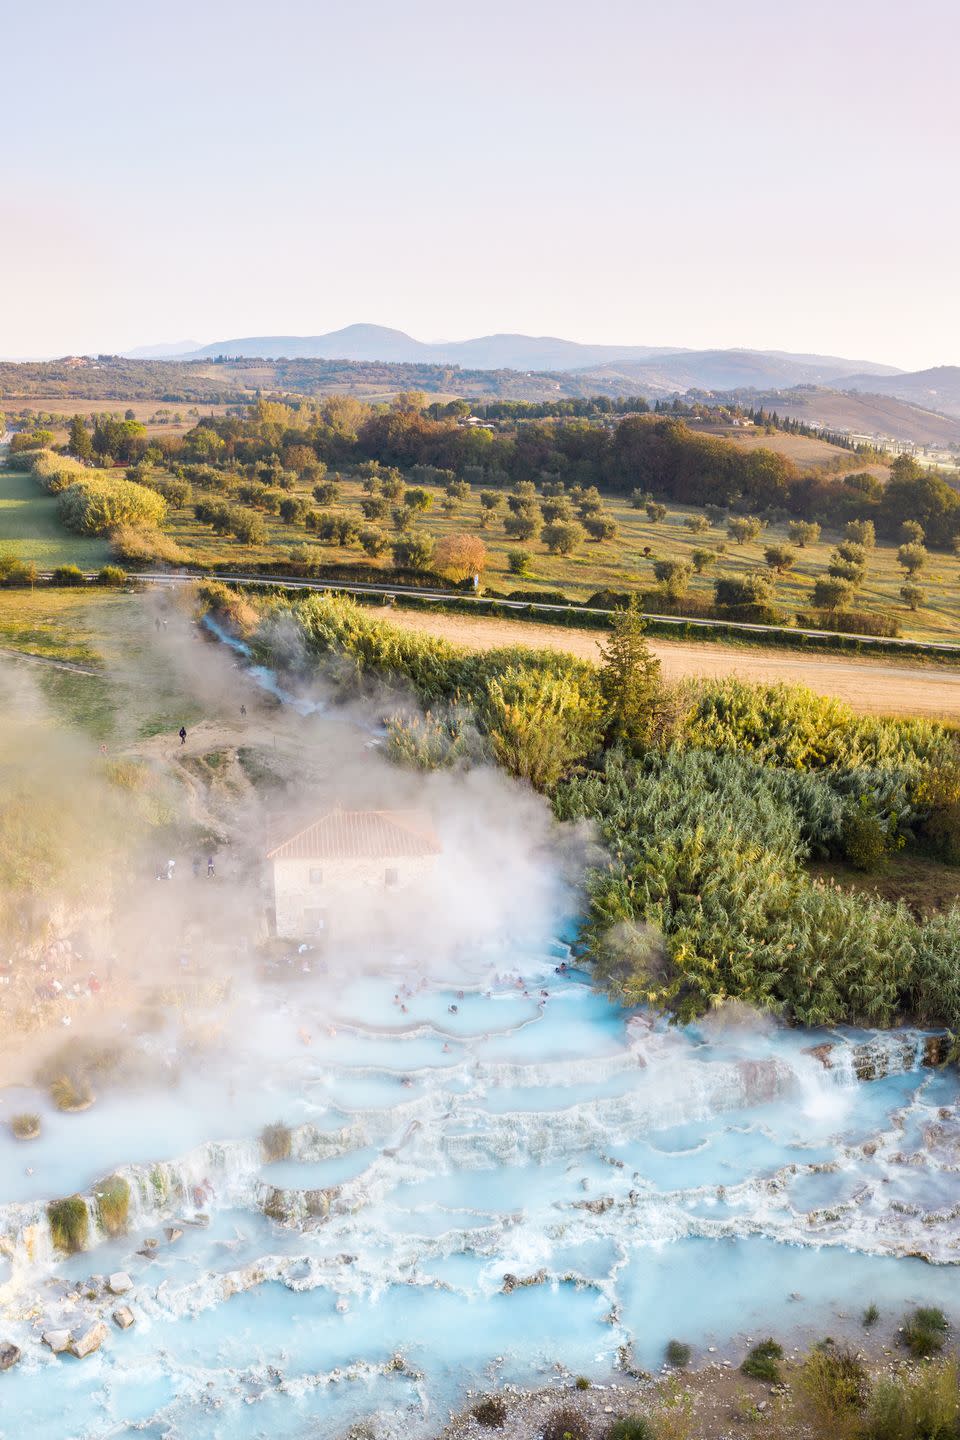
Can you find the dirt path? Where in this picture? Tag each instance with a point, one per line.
(70, 665)
(876, 686)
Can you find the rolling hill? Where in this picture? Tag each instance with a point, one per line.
(657, 369)
(936, 389)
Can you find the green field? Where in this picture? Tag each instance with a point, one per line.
(30, 527)
(139, 690)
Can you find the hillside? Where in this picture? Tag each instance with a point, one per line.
(937, 388)
(861, 413)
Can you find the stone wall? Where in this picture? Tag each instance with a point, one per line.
(341, 888)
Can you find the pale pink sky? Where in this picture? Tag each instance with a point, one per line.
(769, 175)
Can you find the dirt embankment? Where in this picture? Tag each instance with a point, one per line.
(879, 687)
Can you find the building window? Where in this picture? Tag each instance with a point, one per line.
(391, 877)
(316, 877)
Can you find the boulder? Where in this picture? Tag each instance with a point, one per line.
(9, 1354)
(124, 1317)
(173, 1232)
(86, 1341)
(58, 1340)
(119, 1283)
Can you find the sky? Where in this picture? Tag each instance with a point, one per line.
(771, 175)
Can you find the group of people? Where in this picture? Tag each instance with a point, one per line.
(167, 869)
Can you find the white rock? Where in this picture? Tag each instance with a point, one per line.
(124, 1317)
(119, 1283)
(88, 1340)
(58, 1340)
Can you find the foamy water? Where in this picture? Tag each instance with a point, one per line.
(637, 1183)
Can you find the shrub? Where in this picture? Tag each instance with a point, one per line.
(522, 526)
(518, 562)
(913, 596)
(864, 837)
(373, 541)
(630, 1427)
(912, 558)
(833, 593)
(582, 1383)
(870, 1316)
(655, 511)
(25, 1126)
(113, 1205)
(831, 1386)
(57, 472)
(68, 575)
(761, 1362)
(14, 571)
(923, 1331)
(460, 556)
(68, 1093)
(563, 537)
(919, 1406)
(97, 505)
(328, 493)
(69, 1224)
(848, 622)
(780, 558)
(703, 559)
(413, 551)
(673, 575)
(111, 575)
(678, 1354)
(139, 545)
(861, 532)
(293, 509)
(696, 524)
(275, 1142)
(912, 532)
(750, 589)
(490, 1412)
(743, 528)
(418, 499)
(599, 526)
(541, 724)
(803, 533)
(566, 1423)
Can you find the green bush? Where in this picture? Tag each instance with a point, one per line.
(113, 1205)
(831, 1386)
(275, 1142)
(490, 1412)
(870, 1316)
(69, 1224)
(864, 837)
(111, 575)
(582, 1383)
(762, 1362)
(923, 1405)
(68, 575)
(95, 506)
(630, 1427)
(923, 1331)
(678, 1354)
(57, 472)
(566, 1423)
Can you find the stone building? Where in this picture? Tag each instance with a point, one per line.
(343, 862)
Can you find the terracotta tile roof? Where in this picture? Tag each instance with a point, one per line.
(361, 835)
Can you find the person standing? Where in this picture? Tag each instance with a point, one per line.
(183, 735)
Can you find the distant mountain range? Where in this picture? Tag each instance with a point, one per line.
(651, 368)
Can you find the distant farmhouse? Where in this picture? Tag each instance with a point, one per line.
(343, 857)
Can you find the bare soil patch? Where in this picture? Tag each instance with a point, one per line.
(878, 687)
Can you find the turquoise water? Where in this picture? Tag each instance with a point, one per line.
(647, 1182)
